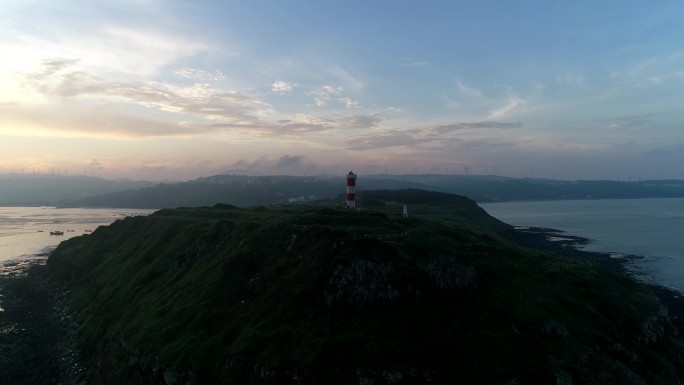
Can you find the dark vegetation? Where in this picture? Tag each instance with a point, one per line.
(318, 294)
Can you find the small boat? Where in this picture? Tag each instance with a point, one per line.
(57, 232)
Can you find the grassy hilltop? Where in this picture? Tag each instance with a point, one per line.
(318, 294)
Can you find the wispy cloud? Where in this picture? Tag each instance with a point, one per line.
(572, 79)
(326, 93)
(139, 50)
(348, 102)
(437, 137)
(95, 121)
(414, 63)
(627, 123)
(507, 106)
(387, 138)
(345, 77)
(197, 108)
(655, 70)
(301, 124)
(500, 102)
(199, 100)
(282, 87)
(475, 126)
(469, 92)
(200, 74)
(360, 121)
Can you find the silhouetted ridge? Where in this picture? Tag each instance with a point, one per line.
(243, 190)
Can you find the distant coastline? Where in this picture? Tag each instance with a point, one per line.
(251, 190)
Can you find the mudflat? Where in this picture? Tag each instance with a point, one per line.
(37, 333)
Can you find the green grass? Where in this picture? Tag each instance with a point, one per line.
(331, 293)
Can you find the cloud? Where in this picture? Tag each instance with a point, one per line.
(303, 124)
(469, 92)
(107, 48)
(415, 63)
(254, 165)
(136, 50)
(325, 93)
(199, 101)
(344, 77)
(475, 125)
(94, 121)
(507, 106)
(199, 74)
(52, 66)
(627, 123)
(349, 102)
(571, 79)
(299, 124)
(662, 70)
(359, 121)
(282, 87)
(495, 103)
(387, 138)
(307, 123)
(434, 138)
(286, 164)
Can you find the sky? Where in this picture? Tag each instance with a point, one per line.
(177, 90)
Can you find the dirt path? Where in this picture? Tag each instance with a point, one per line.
(36, 333)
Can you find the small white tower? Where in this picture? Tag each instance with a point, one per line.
(405, 215)
(351, 185)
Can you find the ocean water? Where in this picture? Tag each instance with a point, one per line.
(25, 231)
(652, 229)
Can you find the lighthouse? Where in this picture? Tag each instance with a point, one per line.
(351, 184)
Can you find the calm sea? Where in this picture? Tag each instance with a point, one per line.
(25, 231)
(650, 228)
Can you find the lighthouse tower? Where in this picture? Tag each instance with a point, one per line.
(351, 196)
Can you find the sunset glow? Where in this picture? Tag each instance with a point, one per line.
(152, 89)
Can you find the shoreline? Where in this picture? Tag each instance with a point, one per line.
(37, 331)
(18, 268)
(557, 242)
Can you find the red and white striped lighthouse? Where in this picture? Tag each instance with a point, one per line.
(351, 196)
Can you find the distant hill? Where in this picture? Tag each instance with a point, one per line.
(307, 294)
(49, 189)
(243, 190)
(491, 188)
(238, 190)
